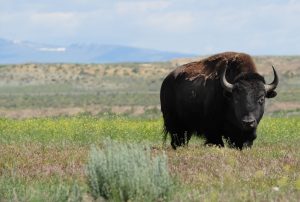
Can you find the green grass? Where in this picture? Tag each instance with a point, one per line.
(52, 154)
(70, 85)
(122, 172)
(56, 100)
(78, 130)
(52, 190)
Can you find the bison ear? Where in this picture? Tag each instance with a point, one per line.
(271, 94)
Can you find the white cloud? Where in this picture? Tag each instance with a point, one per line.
(58, 19)
(193, 26)
(15, 41)
(130, 7)
(44, 27)
(53, 49)
(171, 21)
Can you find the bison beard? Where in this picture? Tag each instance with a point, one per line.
(219, 97)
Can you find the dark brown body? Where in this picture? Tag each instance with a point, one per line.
(193, 100)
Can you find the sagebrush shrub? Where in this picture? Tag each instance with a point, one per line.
(122, 172)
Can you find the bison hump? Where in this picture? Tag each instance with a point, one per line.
(213, 66)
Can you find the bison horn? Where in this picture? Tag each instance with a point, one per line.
(273, 85)
(226, 85)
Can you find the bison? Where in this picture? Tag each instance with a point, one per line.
(220, 97)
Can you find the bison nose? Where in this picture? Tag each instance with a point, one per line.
(249, 123)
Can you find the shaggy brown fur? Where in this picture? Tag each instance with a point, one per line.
(194, 100)
(212, 67)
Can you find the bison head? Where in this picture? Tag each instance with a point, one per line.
(247, 98)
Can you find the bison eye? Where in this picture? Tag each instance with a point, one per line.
(261, 100)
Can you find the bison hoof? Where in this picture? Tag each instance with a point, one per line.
(173, 146)
(214, 143)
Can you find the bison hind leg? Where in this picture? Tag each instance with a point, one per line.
(179, 136)
(180, 139)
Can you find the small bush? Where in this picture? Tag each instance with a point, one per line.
(122, 172)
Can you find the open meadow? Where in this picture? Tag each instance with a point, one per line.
(71, 132)
(45, 159)
(35, 90)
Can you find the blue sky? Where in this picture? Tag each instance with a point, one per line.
(268, 27)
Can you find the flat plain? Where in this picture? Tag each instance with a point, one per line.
(52, 114)
(34, 90)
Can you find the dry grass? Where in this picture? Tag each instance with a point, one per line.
(33, 74)
(42, 161)
(267, 173)
(94, 110)
(40, 151)
(39, 90)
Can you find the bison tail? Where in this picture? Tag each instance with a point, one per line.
(165, 132)
(165, 139)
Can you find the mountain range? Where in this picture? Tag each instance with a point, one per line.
(14, 52)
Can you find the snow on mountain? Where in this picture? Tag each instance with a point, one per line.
(15, 51)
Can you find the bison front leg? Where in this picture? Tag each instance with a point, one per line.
(244, 140)
(213, 139)
(180, 139)
(174, 141)
(236, 144)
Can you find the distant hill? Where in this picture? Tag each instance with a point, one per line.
(12, 52)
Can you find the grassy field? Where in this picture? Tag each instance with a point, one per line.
(68, 89)
(53, 116)
(44, 159)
